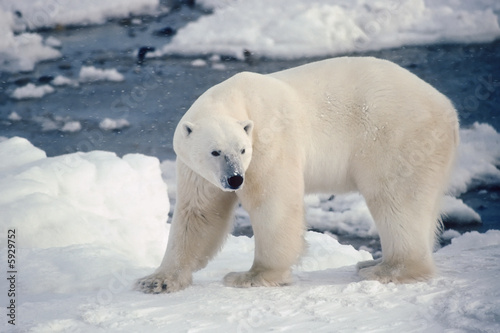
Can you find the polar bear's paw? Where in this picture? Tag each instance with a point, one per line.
(160, 282)
(257, 279)
(397, 273)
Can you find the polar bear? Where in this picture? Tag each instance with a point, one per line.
(333, 126)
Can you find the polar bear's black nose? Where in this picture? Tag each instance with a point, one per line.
(235, 181)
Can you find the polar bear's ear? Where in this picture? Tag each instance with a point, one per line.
(247, 126)
(187, 128)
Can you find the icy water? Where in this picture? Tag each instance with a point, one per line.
(155, 95)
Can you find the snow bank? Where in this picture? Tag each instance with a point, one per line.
(92, 74)
(457, 212)
(32, 91)
(49, 13)
(83, 198)
(325, 252)
(302, 28)
(478, 158)
(341, 214)
(20, 51)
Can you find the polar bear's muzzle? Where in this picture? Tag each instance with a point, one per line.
(233, 175)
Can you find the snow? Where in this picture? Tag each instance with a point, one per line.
(89, 224)
(83, 198)
(198, 63)
(218, 66)
(61, 80)
(48, 124)
(14, 116)
(458, 212)
(109, 124)
(32, 91)
(20, 50)
(281, 28)
(57, 123)
(53, 42)
(92, 74)
(450, 234)
(49, 13)
(300, 28)
(478, 156)
(72, 126)
(214, 63)
(88, 74)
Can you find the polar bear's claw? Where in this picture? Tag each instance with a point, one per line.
(160, 283)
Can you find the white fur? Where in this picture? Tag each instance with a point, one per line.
(338, 125)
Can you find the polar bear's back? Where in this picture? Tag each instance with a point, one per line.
(357, 79)
(366, 108)
(363, 93)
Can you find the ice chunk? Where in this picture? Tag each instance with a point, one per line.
(92, 74)
(32, 91)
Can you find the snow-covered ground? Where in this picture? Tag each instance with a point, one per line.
(86, 288)
(294, 29)
(88, 224)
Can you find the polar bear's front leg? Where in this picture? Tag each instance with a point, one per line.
(278, 225)
(181, 259)
(200, 224)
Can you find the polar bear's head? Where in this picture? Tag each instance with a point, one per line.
(217, 148)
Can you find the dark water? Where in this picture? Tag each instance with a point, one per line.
(156, 94)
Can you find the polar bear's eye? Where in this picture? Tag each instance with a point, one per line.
(242, 151)
(215, 153)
